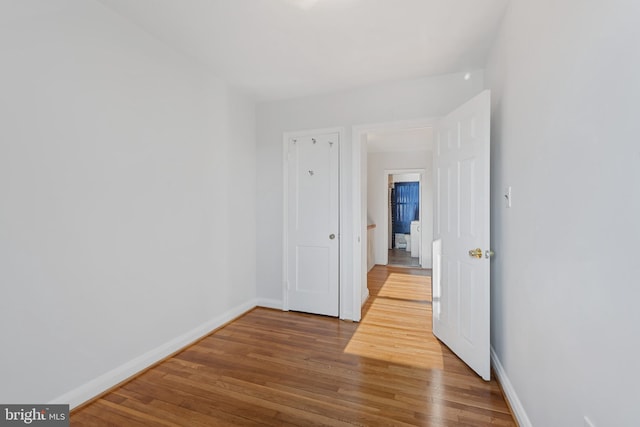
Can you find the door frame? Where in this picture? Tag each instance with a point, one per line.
(422, 173)
(359, 199)
(286, 136)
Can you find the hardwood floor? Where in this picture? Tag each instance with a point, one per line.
(292, 369)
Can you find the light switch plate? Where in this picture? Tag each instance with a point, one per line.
(507, 197)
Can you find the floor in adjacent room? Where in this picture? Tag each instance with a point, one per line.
(292, 369)
(400, 257)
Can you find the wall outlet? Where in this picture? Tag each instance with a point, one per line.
(587, 422)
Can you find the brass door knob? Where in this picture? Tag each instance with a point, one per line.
(476, 253)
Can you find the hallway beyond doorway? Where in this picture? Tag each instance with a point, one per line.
(402, 258)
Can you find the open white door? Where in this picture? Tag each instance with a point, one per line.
(461, 233)
(312, 223)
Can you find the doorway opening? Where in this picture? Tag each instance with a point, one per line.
(404, 234)
(460, 169)
(379, 150)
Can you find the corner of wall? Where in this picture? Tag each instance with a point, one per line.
(365, 295)
(270, 303)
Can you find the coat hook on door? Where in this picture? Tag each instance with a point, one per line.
(310, 173)
(314, 140)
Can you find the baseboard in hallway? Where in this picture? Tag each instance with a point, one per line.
(102, 384)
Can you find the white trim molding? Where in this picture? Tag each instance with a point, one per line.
(126, 371)
(510, 393)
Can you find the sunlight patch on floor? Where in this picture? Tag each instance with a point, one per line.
(398, 286)
(396, 327)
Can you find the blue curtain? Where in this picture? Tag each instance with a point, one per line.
(405, 204)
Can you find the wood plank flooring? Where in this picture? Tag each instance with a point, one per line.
(278, 368)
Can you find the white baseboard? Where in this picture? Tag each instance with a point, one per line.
(269, 303)
(277, 305)
(104, 382)
(516, 406)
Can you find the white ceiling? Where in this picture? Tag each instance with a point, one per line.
(288, 48)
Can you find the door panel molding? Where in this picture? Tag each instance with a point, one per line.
(343, 312)
(461, 306)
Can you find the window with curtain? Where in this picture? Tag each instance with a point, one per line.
(405, 206)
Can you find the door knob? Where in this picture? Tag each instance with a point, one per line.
(476, 253)
(332, 236)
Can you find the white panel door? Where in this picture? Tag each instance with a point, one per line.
(313, 218)
(461, 233)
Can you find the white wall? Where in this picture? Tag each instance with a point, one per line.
(428, 97)
(377, 203)
(120, 229)
(405, 177)
(565, 318)
(371, 261)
